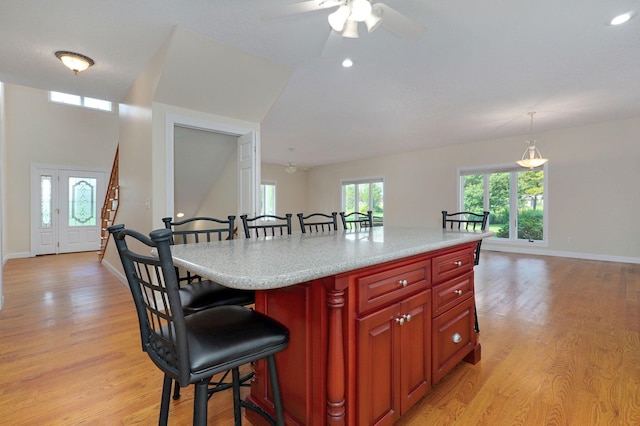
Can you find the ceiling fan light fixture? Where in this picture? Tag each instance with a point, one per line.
(374, 19)
(350, 29)
(531, 158)
(338, 18)
(290, 168)
(360, 10)
(74, 61)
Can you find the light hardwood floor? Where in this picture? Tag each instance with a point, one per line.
(560, 346)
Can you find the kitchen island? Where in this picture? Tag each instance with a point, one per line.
(376, 317)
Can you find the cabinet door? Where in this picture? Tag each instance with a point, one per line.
(416, 349)
(453, 338)
(379, 367)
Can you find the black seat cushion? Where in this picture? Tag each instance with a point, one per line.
(228, 336)
(206, 294)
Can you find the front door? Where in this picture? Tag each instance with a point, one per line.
(66, 210)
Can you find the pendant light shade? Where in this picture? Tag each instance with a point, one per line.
(531, 157)
(338, 18)
(350, 29)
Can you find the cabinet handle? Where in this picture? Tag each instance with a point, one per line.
(408, 317)
(400, 320)
(457, 338)
(458, 263)
(458, 292)
(403, 283)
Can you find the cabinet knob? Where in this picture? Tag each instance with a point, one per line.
(408, 317)
(400, 320)
(403, 283)
(458, 263)
(458, 292)
(457, 338)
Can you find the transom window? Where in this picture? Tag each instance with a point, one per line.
(515, 198)
(81, 101)
(362, 195)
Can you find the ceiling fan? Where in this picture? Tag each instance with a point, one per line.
(344, 21)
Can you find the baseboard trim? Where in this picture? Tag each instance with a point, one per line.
(572, 255)
(115, 271)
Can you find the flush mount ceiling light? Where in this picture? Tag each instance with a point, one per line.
(74, 61)
(531, 157)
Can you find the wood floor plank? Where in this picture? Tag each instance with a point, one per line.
(560, 346)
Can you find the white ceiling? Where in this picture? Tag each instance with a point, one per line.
(474, 75)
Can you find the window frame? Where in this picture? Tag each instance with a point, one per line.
(275, 197)
(83, 101)
(513, 199)
(361, 181)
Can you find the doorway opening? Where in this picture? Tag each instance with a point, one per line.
(246, 170)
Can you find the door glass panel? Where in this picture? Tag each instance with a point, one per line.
(530, 205)
(45, 201)
(499, 204)
(82, 201)
(349, 197)
(473, 190)
(378, 199)
(363, 198)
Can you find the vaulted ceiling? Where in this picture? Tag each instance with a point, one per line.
(474, 75)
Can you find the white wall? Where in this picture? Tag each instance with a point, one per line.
(592, 180)
(38, 131)
(222, 198)
(291, 190)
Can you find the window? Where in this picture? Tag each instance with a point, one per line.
(363, 195)
(65, 98)
(514, 197)
(268, 198)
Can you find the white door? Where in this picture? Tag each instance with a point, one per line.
(247, 174)
(66, 207)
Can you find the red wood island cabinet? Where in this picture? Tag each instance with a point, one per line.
(367, 344)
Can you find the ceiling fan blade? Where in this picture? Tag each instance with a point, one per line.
(399, 24)
(333, 44)
(296, 8)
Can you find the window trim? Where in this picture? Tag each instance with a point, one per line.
(503, 168)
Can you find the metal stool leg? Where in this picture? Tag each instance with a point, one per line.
(237, 404)
(275, 388)
(200, 401)
(164, 402)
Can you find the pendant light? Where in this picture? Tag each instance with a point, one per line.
(531, 157)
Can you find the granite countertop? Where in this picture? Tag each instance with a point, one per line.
(273, 262)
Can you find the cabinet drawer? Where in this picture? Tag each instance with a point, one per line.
(450, 293)
(451, 264)
(388, 286)
(453, 338)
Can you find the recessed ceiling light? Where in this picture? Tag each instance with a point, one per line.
(621, 19)
(347, 63)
